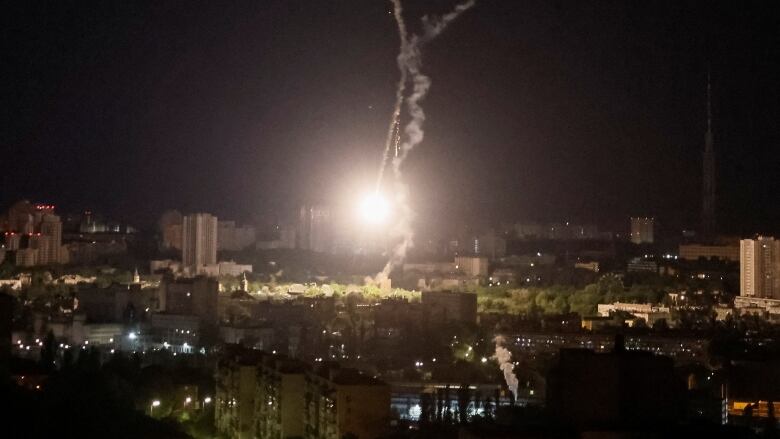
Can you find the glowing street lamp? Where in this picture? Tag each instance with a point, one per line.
(207, 400)
(155, 403)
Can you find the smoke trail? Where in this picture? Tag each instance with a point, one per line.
(395, 120)
(504, 359)
(434, 26)
(410, 61)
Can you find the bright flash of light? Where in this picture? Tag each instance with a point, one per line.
(374, 208)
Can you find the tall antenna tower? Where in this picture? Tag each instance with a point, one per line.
(708, 173)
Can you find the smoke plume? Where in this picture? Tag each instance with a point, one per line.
(410, 62)
(504, 359)
(395, 120)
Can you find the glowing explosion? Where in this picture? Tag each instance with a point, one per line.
(374, 208)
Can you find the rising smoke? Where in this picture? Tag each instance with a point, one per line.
(409, 63)
(504, 359)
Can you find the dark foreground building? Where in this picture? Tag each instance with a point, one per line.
(620, 389)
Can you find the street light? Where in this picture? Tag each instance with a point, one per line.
(207, 400)
(155, 403)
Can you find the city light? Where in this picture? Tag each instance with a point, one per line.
(415, 411)
(207, 400)
(155, 403)
(374, 209)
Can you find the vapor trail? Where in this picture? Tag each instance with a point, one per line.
(504, 359)
(395, 120)
(410, 61)
(434, 26)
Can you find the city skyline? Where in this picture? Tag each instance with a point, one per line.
(390, 219)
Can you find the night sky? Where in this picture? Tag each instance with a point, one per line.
(581, 110)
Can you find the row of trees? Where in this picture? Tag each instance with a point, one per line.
(561, 299)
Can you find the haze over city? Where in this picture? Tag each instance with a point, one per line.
(390, 219)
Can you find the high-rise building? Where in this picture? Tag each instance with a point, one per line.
(12, 240)
(170, 229)
(51, 244)
(20, 217)
(694, 252)
(620, 386)
(37, 242)
(234, 238)
(315, 229)
(259, 395)
(642, 230)
(199, 240)
(708, 175)
(27, 257)
(759, 268)
(280, 398)
(43, 230)
(345, 403)
(236, 391)
(172, 236)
